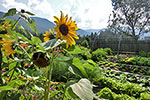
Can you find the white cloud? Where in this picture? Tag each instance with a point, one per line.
(13, 4)
(87, 13)
(42, 7)
(92, 13)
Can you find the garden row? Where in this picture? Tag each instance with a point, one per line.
(138, 60)
(125, 67)
(115, 89)
(123, 78)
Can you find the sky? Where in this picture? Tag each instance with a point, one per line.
(88, 14)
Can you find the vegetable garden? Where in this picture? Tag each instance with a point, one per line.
(52, 67)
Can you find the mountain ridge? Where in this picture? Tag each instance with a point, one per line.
(43, 24)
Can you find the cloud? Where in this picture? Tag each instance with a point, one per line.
(39, 7)
(42, 7)
(92, 14)
(13, 4)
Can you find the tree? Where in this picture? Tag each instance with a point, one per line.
(131, 17)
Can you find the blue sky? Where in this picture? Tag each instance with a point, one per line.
(88, 14)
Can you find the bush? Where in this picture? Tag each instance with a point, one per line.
(109, 51)
(87, 54)
(99, 54)
(144, 54)
(145, 96)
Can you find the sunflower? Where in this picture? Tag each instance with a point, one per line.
(7, 46)
(65, 29)
(47, 35)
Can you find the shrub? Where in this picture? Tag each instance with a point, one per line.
(87, 54)
(106, 93)
(109, 51)
(145, 96)
(99, 54)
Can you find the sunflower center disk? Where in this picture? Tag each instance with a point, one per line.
(63, 29)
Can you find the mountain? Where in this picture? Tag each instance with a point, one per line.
(44, 25)
(82, 32)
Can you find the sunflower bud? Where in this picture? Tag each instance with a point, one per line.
(40, 59)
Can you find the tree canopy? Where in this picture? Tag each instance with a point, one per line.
(131, 17)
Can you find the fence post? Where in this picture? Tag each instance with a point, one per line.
(119, 46)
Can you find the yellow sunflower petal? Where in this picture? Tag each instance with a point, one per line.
(56, 18)
(73, 34)
(65, 29)
(46, 39)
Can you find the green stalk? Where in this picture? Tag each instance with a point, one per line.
(25, 51)
(49, 76)
(1, 81)
(16, 23)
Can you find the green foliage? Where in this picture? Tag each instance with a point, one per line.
(121, 88)
(32, 26)
(87, 53)
(136, 61)
(75, 50)
(144, 54)
(35, 40)
(99, 54)
(109, 51)
(145, 96)
(79, 65)
(10, 12)
(6, 88)
(106, 93)
(85, 44)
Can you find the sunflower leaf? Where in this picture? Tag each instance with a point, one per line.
(32, 26)
(51, 43)
(74, 50)
(35, 40)
(6, 88)
(10, 12)
(83, 89)
(29, 13)
(79, 65)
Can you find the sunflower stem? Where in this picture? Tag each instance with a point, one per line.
(1, 81)
(16, 23)
(25, 51)
(49, 76)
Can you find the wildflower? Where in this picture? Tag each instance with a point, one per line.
(7, 46)
(21, 91)
(24, 45)
(40, 59)
(38, 96)
(21, 76)
(26, 95)
(47, 35)
(51, 88)
(66, 29)
(5, 26)
(57, 51)
(34, 98)
(3, 71)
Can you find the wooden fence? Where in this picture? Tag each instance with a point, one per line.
(126, 45)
